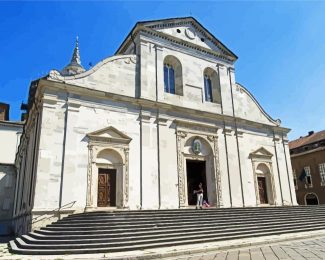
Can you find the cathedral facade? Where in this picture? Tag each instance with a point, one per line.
(141, 129)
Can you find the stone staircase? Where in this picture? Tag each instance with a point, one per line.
(104, 232)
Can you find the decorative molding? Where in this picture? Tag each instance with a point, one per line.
(217, 171)
(145, 117)
(227, 131)
(240, 133)
(126, 179)
(103, 136)
(180, 169)
(89, 176)
(196, 126)
(162, 120)
(73, 105)
(212, 138)
(113, 139)
(261, 153)
(181, 134)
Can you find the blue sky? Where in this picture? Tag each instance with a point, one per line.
(280, 45)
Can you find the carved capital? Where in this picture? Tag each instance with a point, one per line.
(212, 138)
(181, 134)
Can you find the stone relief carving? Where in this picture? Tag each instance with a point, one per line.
(126, 177)
(54, 74)
(217, 169)
(89, 175)
(181, 177)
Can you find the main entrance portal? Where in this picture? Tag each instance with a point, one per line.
(106, 188)
(196, 173)
(262, 189)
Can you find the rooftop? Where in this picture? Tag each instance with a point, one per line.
(309, 139)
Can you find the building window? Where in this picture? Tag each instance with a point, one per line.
(295, 179)
(321, 167)
(208, 88)
(212, 90)
(173, 80)
(309, 182)
(169, 79)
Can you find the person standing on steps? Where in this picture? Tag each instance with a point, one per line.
(199, 195)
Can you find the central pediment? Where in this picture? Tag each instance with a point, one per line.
(185, 29)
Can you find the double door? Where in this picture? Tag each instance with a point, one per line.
(106, 188)
(262, 190)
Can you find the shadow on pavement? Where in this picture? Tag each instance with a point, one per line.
(6, 239)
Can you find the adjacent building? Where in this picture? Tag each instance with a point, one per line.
(308, 166)
(141, 129)
(10, 132)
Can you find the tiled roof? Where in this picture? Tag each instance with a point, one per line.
(309, 139)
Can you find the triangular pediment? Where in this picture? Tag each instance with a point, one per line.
(261, 153)
(186, 29)
(109, 133)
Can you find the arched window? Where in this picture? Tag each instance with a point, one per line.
(208, 88)
(169, 78)
(173, 82)
(212, 91)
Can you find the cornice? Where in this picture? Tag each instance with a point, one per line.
(146, 103)
(142, 29)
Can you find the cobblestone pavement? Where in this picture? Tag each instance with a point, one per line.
(310, 249)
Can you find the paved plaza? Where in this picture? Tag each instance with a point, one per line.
(302, 249)
(310, 249)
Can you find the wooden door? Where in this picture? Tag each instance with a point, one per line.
(106, 188)
(262, 190)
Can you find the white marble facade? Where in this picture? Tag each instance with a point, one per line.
(117, 115)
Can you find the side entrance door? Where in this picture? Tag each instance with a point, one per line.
(106, 188)
(262, 190)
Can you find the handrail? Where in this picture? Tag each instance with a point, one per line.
(50, 212)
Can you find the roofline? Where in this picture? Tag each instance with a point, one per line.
(167, 19)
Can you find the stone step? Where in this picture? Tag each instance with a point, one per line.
(191, 211)
(166, 219)
(124, 231)
(19, 246)
(148, 235)
(197, 214)
(134, 224)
